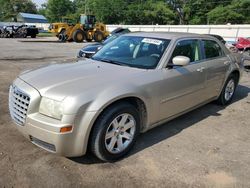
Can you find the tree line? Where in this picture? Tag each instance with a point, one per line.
(145, 12)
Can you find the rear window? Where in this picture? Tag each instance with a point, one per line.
(212, 49)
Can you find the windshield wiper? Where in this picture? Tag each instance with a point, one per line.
(109, 61)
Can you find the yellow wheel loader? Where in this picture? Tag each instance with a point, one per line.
(88, 29)
(59, 27)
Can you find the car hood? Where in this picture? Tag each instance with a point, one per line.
(91, 48)
(58, 81)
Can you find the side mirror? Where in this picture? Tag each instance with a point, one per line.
(181, 60)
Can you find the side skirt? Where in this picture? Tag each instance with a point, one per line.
(177, 115)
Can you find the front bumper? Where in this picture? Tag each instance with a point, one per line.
(44, 131)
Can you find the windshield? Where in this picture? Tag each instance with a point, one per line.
(111, 38)
(140, 52)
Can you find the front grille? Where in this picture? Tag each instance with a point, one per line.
(43, 144)
(18, 105)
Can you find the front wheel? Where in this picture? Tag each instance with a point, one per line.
(228, 90)
(115, 132)
(79, 35)
(98, 36)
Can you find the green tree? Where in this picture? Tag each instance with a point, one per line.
(10, 8)
(236, 13)
(57, 9)
(159, 13)
(150, 12)
(42, 9)
(107, 11)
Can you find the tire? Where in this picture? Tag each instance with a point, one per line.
(98, 36)
(33, 36)
(228, 90)
(79, 35)
(61, 36)
(101, 146)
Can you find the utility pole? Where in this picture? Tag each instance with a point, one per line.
(85, 7)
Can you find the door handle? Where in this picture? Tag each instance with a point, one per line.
(200, 69)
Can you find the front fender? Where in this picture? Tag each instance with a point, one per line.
(89, 112)
(113, 94)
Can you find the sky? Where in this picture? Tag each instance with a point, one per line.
(39, 2)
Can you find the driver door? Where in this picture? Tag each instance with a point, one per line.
(183, 87)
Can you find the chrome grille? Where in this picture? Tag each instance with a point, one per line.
(18, 105)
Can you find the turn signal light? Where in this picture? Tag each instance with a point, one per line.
(66, 129)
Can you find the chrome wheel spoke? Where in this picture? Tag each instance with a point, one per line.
(127, 136)
(120, 144)
(115, 123)
(129, 125)
(110, 135)
(112, 143)
(123, 120)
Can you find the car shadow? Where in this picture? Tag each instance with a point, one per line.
(172, 127)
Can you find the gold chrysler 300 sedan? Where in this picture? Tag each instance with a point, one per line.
(131, 85)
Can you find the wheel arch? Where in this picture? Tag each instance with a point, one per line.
(236, 73)
(61, 29)
(136, 101)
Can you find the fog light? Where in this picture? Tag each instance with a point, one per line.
(66, 129)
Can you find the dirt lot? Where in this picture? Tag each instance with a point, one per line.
(208, 147)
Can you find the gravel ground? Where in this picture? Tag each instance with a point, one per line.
(208, 147)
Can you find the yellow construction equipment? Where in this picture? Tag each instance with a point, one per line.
(59, 27)
(88, 29)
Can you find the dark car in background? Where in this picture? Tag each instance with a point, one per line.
(22, 31)
(89, 50)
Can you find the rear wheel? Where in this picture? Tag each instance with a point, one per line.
(115, 132)
(79, 36)
(98, 36)
(228, 90)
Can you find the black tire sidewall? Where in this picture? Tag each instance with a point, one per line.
(75, 36)
(61, 36)
(101, 127)
(96, 36)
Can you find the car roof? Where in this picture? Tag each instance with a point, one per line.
(168, 35)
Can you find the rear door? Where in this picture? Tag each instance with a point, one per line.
(183, 87)
(217, 65)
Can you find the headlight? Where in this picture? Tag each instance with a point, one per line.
(51, 108)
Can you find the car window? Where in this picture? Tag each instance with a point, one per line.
(188, 48)
(212, 49)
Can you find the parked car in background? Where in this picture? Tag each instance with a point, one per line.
(242, 44)
(22, 31)
(132, 84)
(89, 50)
